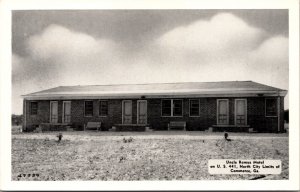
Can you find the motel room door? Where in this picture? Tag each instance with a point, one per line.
(127, 112)
(223, 112)
(66, 112)
(142, 112)
(240, 112)
(53, 111)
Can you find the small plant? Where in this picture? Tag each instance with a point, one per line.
(59, 136)
(122, 159)
(127, 140)
(277, 152)
(226, 137)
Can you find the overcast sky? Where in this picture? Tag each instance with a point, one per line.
(56, 48)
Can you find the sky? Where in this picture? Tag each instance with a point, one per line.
(53, 48)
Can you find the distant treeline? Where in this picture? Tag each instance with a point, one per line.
(16, 119)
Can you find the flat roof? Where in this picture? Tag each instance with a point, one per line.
(158, 89)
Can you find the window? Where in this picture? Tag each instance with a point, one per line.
(88, 108)
(177, 107)
(103, 108)
(33, 108)
(166, 108)
(271, 107)
(194, 107)
(171, 107)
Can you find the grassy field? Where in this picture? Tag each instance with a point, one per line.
(156, 155)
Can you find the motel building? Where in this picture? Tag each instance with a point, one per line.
(238, 106)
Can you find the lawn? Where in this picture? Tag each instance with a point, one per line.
(157, 155)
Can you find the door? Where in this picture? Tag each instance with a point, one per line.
(142, 112)
(66, 118)
(127, 112)
(53, 111)
(223, 112)
(241, 112)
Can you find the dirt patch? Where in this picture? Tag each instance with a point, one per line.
(138, 157)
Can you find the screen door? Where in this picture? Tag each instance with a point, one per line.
(223, 117)
(53, 112)
(127, 112)
(142, 112)
(66, 111)
(240, 112)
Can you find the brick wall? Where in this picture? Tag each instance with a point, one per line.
(208, 114)
(114, 113)
(43, 114)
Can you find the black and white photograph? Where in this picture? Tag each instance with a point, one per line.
(124, 94)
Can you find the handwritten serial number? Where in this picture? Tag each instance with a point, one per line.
(28, 175)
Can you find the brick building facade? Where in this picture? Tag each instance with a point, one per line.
(230, 106)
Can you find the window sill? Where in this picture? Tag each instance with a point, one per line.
(171, 116)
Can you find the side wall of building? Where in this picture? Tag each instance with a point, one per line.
(256, 116)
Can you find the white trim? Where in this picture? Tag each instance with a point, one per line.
(63, 111)
(160, 92)
(123, 110)
(84, 108)
(172, 108)
(190, 108)
(227, 100)
(246, 110)
(155, 95)
(99, 108)
(266, 107)
(51, 111)
(137, 111)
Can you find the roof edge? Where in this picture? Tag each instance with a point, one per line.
(171, 83)
(159, 95)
